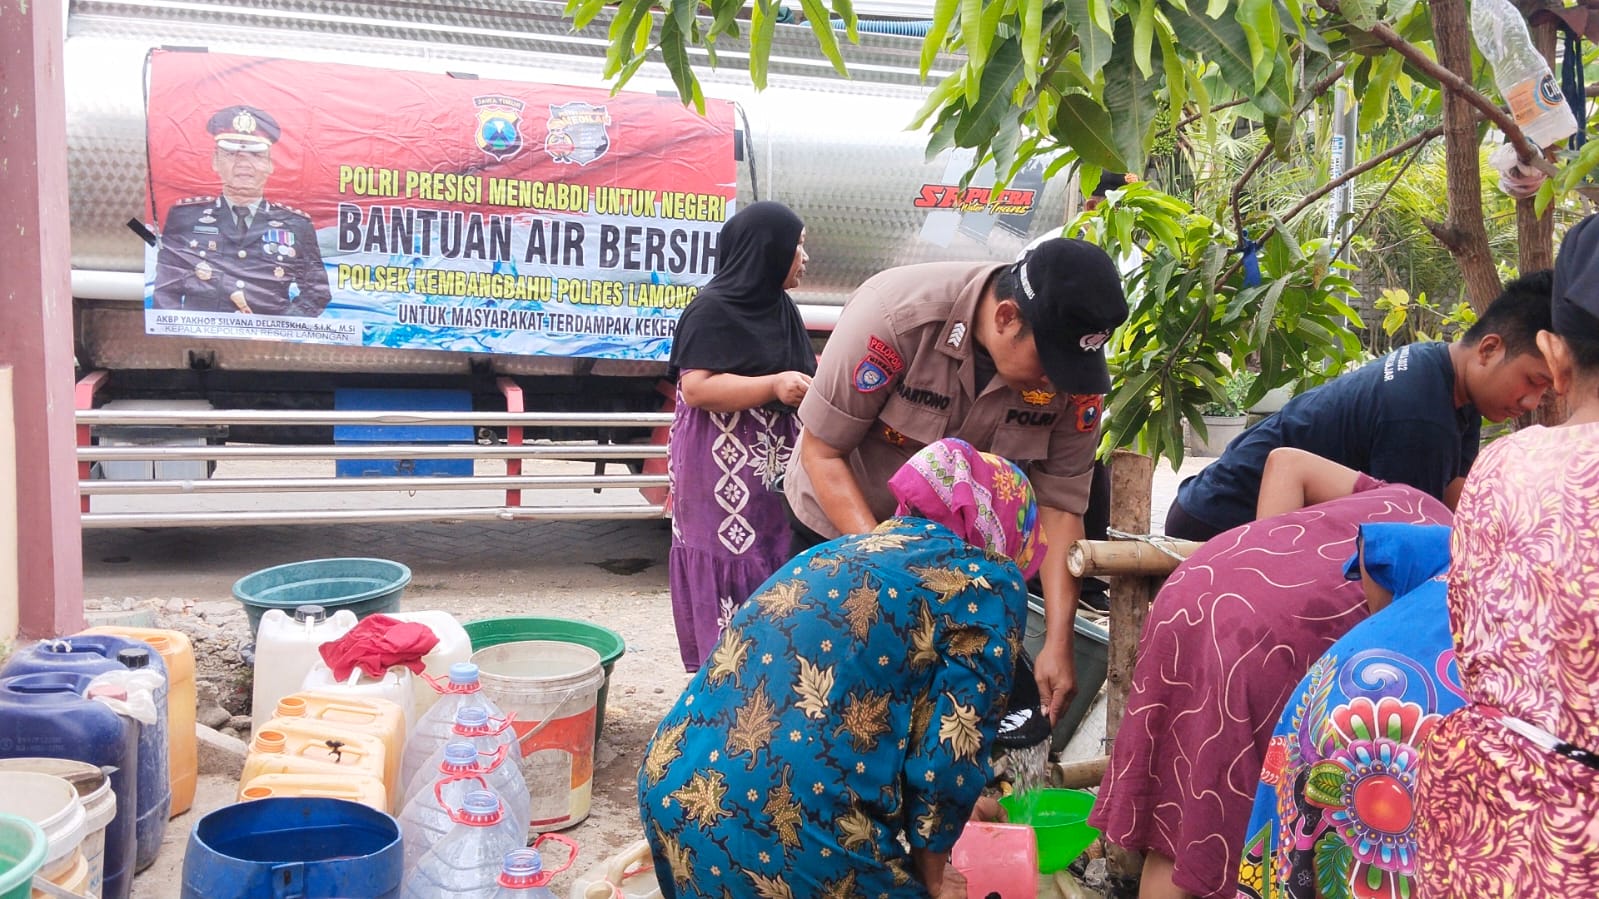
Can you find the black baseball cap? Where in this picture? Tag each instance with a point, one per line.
(1575, 308)
(1070, 293)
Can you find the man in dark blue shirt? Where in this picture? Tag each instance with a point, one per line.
(1410, 417)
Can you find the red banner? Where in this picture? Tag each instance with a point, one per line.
(442, 212)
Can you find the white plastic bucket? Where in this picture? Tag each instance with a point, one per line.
(99, 805)
(52, 803)
(549, 688)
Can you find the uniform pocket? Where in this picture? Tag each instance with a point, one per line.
(1024, 443)
(910, 423)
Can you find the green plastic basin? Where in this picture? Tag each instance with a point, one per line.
(22, 848)
(608, 643)
(1059, 818)
(364, 586)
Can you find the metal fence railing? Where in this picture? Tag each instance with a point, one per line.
(168, 436)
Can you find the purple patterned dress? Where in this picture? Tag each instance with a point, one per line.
(729, 530)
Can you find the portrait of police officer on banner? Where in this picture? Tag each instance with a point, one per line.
(240, 252)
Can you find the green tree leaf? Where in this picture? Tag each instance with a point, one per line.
(1000, 77)
(937, 32)
(1086, 127)
(822, 26)
(1129, 98)
(1093, 43)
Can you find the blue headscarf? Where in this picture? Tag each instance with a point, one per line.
(1399, 556)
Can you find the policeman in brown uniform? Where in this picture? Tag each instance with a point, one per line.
(239, 252)
(1006, 357)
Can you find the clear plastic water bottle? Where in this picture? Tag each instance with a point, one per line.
(426, 818)
(463, 689)
(1521, 73)
(522, 876)
(491, 738)
(466, 863)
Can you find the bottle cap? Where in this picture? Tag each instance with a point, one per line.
(471, 717)
(463, 673)
(311, 614)
(521, 868)
(134, 658)
(459, 754)
(481, 808)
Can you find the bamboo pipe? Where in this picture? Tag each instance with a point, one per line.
(1080, 774)
(1113, 558)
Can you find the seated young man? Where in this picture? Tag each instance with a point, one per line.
(1411, 417)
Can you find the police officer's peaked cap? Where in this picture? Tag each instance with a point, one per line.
(243, 128)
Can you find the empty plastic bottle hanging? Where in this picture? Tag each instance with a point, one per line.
(523, 875)
(473, 725)
(466, 863)
(1521, 73)
(461, 689)
(426, 818)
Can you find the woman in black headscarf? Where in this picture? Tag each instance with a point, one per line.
(743, 362)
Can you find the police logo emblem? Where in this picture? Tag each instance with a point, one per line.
(1086, 408)
(1092, 342)
(202, 270)
(498, 126)
(577, 132)
(870, 376)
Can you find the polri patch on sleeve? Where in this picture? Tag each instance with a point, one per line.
(885, 356)
(869, 375)
(1085, 409)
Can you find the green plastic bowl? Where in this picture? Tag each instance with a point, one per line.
(22, 849)
(1059, 818)
(364, 586)
(608, 643)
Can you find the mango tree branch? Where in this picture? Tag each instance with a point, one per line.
(1311, 93)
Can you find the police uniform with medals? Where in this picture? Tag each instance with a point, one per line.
(214, 258)
(900, 371)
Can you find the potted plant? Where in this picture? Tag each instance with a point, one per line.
(1224, 418)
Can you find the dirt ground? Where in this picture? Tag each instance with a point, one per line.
(613, 573)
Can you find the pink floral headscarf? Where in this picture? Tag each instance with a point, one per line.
(983, 498)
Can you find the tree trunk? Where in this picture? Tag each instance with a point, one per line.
(1535, 237)
(1463, 233)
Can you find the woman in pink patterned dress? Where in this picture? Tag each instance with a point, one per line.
(1509, 792)
(743, 362)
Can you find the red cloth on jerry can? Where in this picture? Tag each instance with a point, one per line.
(378, 643)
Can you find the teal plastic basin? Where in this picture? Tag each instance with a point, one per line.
(364, 586)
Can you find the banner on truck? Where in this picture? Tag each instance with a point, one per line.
(327, 203)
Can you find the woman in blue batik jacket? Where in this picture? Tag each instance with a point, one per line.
(853, 700)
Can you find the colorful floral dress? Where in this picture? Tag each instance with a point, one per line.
(849, 704)
(729, 528)
(1498, 815)
(1232, 631)
(1334, 815)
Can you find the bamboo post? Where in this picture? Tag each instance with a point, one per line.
(1132, 478)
